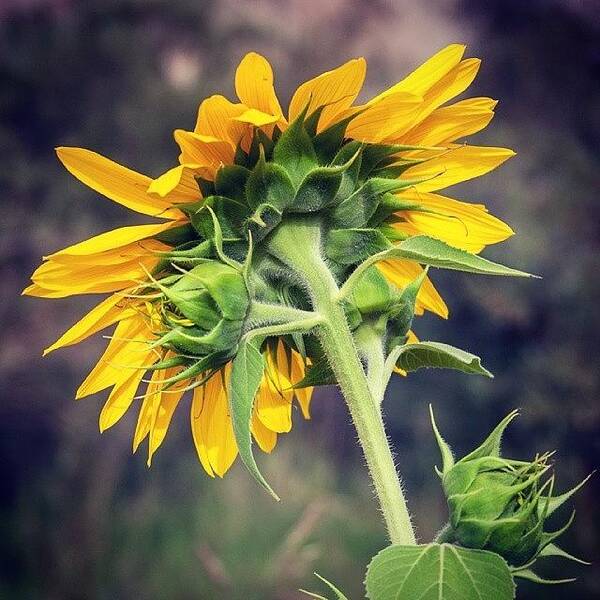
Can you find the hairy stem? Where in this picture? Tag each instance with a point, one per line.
(297, 244)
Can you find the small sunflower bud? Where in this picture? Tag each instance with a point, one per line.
(499, 504)
(204, 309)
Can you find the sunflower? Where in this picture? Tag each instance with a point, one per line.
(179, 299)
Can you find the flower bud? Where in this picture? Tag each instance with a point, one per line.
(203, 309)
(499, 504)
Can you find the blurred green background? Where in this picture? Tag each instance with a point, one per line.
(79, 516)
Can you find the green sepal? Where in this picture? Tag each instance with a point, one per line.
(207, 187)
(404, 313)
(207, 364)
(373, 294)
(491, 445)
(294, 151)
(195, 305)
(269, 183)
(339, 595)
(168, 363)
(199, 250)
(373, 155)
(555, 502)
(230, 181)
(395, 169)
(391, 233)
(311, 122)
(194, 340)
(318, 189)
(265, 218)
(349, 246)
(225, 285)
(176, 236)
(265, 142)
(357, 209)
(552, 550)
(328, 141)
(445, 450)
(388, 205)
(529, 575)
(230, 214)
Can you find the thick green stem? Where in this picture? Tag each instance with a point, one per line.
(297, 244)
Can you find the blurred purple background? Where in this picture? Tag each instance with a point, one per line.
(79, 516)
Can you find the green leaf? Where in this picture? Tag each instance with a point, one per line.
(433, 252)
(411, 357)
(430, 251)
(438, 572)
(349, 246)
(294, 151)
(246, 374)
(269, 184)
(338, 593)
(231, 180)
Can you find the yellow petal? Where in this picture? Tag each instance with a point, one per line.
(119, 255)
(265, 438)
(115, 182)
(114, 308)
(335, 90)
(216, 118)
(211, 426)
(39, 292)
(254, 85)
(177, 184)
(429, 73)
(402, 272)
(70, 279)
(303, 395)
(452, 84)
(380, 119)
(462, 225)
(117, 238)
(450, 123)
(120, 399)
(169, 399)
(203, 150)
(274, 399)
(257, 118)
(126, 351)
(455, 165)
(411, 339)
(274, 408)
(149, 406)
